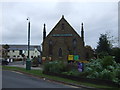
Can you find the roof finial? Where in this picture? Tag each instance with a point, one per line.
(44, 24)
(82, 24)
(62, 16)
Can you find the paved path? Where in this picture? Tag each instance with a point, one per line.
(20, 64)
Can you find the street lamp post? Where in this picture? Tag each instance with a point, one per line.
(28, 62)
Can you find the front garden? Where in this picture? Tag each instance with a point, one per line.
(103, 70)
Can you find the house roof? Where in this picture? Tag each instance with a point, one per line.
(24, 47)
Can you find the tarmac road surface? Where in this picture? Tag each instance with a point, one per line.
(12, 79)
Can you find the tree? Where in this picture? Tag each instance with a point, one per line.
(104, 44)
(5, 50)
(116, 53)
(89, 52)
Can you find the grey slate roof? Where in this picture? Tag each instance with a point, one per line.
(23, 47)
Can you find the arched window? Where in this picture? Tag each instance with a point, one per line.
(50, 47)
(62, 27)
(60, 52)
(74, 43)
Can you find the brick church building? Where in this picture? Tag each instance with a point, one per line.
(62, 41)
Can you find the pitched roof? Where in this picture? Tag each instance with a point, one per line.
(24, 47)
(68, 28)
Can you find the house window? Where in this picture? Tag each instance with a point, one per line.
(60, 52)
(20, 52)
(13, 50)
(14, 56)
(18, 56)
(31, 56)
(50, 47)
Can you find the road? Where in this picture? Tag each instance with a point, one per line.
(12, 79)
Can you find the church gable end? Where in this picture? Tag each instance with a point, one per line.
(62, 41)
(62, 28)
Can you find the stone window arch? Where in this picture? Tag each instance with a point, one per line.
(74, 43)
(62, 26)
(50, 47)
(60, 52)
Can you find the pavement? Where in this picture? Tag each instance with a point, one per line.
(20, 64)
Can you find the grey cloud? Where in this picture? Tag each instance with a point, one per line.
(97, 18)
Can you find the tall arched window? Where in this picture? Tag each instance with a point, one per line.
(50, 47)
(62, 26)
(60, 52)
(74, 43)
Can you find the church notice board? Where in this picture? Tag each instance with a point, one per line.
(76, 57)
(70, 57)
(73, 57)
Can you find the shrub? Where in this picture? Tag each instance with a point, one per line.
(105, 68)
(35, 62)
(106, 61)
(54, 66)
(106, 74)
(102, 54)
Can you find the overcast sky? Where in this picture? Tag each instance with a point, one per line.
(98, 18)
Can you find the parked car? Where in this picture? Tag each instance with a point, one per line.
(5, 62)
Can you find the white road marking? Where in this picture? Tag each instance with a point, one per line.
(63, 84)
(17, 72)
(72, 86)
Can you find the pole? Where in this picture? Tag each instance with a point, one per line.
(29, 39)
(28, 62)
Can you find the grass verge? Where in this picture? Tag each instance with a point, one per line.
(40, 74)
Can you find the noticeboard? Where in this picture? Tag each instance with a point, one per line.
(70, 57)
(76, 57)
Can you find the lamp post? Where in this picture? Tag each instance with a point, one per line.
(28, 62)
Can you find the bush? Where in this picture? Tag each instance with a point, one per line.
(35, 62)
(107, 61)
(102, 54)
(105, 68)
(106, 74)
(54, 66)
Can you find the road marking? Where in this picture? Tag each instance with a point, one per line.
(62, 83)
(17, 72)
(71, 86)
